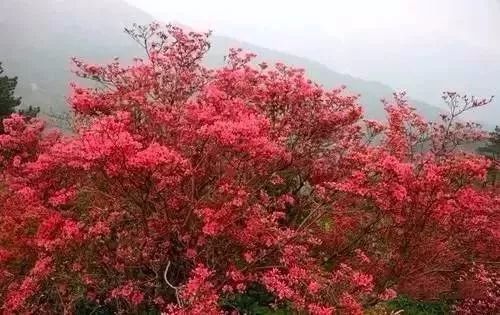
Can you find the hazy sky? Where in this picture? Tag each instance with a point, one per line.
(282, 23)
(422, 46)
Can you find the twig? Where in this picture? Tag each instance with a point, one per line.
(176, 289)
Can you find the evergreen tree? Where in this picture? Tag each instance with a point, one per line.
(30, 112)
(492, 149)
(8, 102)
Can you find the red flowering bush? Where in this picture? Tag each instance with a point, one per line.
(183, 187)
(481, 287)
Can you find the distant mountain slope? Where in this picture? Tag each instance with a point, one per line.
(38, 37)
(371, 91)
(424, 66)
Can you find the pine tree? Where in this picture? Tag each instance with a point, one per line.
(8, 102)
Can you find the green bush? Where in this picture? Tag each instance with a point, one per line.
(255, 301)
(415, 307)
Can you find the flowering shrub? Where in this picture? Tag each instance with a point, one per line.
(481, 287)
(184, 187)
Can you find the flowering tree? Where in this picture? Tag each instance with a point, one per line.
(183, 188)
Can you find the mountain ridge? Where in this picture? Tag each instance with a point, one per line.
(38, 50)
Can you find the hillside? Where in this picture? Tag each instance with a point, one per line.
(371, 91)
(39, 36)
(425, 67)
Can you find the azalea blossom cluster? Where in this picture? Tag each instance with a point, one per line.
(183, 186)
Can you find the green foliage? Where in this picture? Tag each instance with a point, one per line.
(85, 307)
(30, 112)
(415, 307)
(492, 148)
(255, 301)
(8, 102)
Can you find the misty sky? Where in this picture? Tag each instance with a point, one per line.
(283, 23)
(422, 46)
